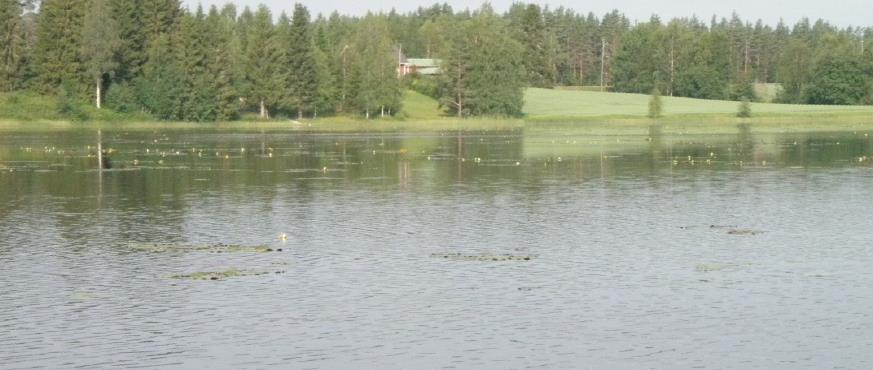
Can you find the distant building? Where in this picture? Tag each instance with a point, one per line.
(419, 66)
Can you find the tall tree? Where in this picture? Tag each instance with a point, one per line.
(159, 17)
(58, 47)
(539, 52)
(12, 46)
(264, 57)
(484, 73)
(128, 17)
(303, 77)
(100, 43)
(160, 87)
(373, 69)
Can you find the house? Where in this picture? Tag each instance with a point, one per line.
(419, 66)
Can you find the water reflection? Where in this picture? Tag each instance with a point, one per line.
(619, 227)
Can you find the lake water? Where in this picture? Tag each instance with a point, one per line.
(741, 250)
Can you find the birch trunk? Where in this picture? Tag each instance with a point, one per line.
(98, 96)
(264, 113)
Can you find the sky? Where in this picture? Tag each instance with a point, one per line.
(838, 12)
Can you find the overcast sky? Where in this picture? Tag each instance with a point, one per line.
(839, 12)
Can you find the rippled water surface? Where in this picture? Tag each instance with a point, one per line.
(652, 251)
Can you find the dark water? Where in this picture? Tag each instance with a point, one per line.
(652, 251)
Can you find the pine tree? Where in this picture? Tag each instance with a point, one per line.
(58, 47)
(264, 69)
(302, 64)
(12, 46)
(100, 43)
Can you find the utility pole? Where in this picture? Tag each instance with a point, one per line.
(399, 60)
(603, 64)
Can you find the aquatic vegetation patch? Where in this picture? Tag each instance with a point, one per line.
(744, 232)
(224, 275)
(482, 257)
(713, 267)
(206, 248)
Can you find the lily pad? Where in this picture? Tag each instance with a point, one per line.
(482, 257)
(223, 275)
(712, 267)
(744, 232)
(207, 248)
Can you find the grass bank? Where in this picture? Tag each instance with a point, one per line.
(577, 110)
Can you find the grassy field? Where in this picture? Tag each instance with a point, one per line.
(591, 111)
(542, 104)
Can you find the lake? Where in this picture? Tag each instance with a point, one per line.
(530, 248)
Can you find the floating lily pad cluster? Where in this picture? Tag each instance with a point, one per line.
(712, 267)
(744, 232)
(731, 230)
(207, 248)
(223, 275)
(483, 257)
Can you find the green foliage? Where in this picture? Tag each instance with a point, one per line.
(131, 51)
(303, 74)
(57, 51)
(375, 87)
(100, 43)
(538, 46)
(161, 88)
(265, 77)
(121, 97)
(841, 80)
(656, 106)
(742, 89)
(178, 64)
(483, 73)
(13, 48)
(745, 109)
(69, 104)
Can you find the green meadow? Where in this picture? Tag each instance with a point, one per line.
(569, 109)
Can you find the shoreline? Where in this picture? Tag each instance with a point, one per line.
(697, 123)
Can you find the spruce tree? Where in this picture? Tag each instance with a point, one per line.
(128, 16)
(302, 64)
(160, 88)
(57, 52)
(538, 50)
(484, 74)
(159, 17)
(12, 46)
(100, 43)
(264, 70)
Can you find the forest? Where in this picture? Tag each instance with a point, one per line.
(157, 58)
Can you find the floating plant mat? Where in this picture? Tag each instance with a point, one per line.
(224, 275)
(207, 248)
(731, 229)
(712, 267)
(744, 232)
(482, 257)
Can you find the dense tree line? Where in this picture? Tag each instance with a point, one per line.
(216, 64)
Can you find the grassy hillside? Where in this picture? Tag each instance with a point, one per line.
(544, 104)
